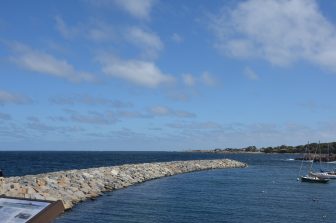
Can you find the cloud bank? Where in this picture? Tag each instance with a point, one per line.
(140, 72)
(47, 64)
(279, 31)
(149, 42)
(12, 98)
(139, 9)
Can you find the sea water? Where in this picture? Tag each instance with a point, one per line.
(266, 191)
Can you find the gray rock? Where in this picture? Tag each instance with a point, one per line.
(74, 186)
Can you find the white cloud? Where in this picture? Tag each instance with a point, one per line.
(160, 110)
(44, 63)
(88, 100)
(177, 38)
(250, 74)
(208, 79)
(11, 98)
(64, 29)
(189, 80)
(316, 106)
(148, 41)
(41, 127)
(139, 9)
(165, 111)
(216, 135)
(279, 31)
(95, 118)
(196, 125)
(95, 30)
(99, 31)
(131, 114)
(140, 72)
(205, 78)
(178, 95)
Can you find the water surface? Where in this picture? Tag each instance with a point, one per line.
(266, 191)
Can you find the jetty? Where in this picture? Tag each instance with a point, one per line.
(73, 186)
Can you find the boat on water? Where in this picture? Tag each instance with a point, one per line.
(313, 177)
(324, 175)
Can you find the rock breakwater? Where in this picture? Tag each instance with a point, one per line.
(74, 186)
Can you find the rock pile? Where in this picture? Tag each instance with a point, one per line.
(74, 186)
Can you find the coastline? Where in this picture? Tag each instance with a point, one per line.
(73, 186)
(239, 152)
(323, 148)
(224, 152)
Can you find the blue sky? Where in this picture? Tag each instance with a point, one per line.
(166, 75)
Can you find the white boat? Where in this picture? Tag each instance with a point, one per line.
(313, 177)
(323, 175)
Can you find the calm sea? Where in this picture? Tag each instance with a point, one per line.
(266, 191)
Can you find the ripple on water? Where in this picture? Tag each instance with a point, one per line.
(259, 193)
(266, 191)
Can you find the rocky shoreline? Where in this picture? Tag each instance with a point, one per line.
(74, 186)
(318, 157)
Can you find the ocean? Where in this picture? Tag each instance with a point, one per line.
(266, 191)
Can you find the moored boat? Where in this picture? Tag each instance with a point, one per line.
(314, 179)
(324, 175)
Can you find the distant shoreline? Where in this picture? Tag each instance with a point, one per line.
(315, 157)
(312, 148)
(223, 151)
(237, 152)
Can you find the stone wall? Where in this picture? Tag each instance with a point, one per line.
(73, 186)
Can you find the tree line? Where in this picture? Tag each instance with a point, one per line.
(324, 148)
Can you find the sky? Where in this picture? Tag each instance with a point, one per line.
(166, 75)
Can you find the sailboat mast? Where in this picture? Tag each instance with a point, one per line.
(311, 165)
(320, 155)
(305, 152)
(328, 157)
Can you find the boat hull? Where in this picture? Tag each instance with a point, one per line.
(314, 180)
(332, 175)
(324, 175)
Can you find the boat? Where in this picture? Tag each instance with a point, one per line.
(312, 177)
(324, 174)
